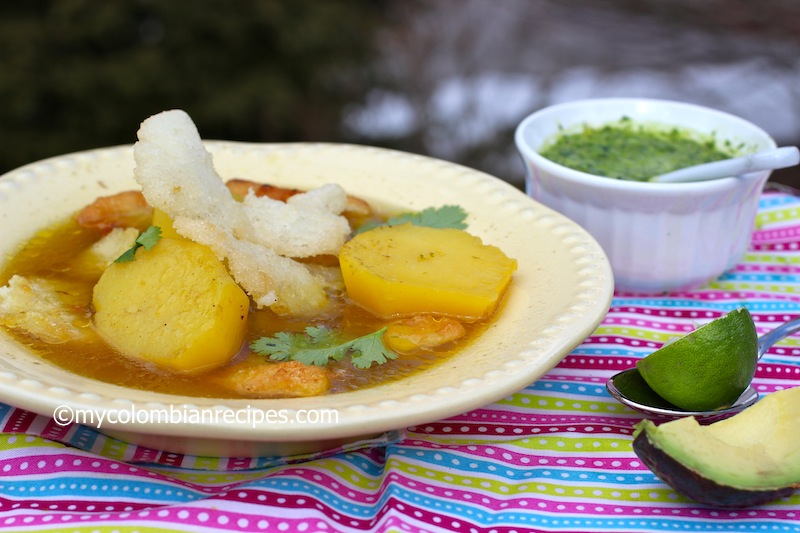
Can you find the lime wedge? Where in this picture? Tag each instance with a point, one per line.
(707, 369)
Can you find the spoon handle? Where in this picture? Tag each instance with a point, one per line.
(770, 338)
(783, 157)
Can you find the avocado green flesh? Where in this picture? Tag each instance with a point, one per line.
(698, 488)
(747, 459)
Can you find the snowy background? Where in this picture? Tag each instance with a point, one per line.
(463, 73)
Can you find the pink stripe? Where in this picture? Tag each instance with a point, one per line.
(513, 430)
(532, 417)
(777, 371)
(238, 463)
(753, 267)
(670, 313)
(71, 505)
(599, 424)
(145, 455)
(787, 233)
(701, 295)
(598, 363)
(637, 322)
(211, 517)
(776, 247)
(767, 388)
(57, 432)
(18, 421)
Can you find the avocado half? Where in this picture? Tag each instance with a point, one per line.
(749, 459)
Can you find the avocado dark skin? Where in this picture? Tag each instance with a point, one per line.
(699, 488)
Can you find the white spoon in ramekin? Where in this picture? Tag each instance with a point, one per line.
(786, 156)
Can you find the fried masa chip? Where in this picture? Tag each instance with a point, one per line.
(44, 309)
(260, 238)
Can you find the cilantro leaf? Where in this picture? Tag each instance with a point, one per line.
(128, 256)
(320, 345)
(446, 216)
(370, 349)
(312, 347)
(148, 239)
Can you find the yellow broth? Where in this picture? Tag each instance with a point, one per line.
(54, 254)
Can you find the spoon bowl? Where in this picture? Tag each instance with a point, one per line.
(629, 388)
(625, 389)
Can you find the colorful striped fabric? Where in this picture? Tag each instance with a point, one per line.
(555, 456)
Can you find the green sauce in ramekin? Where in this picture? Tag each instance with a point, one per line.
(628, 150)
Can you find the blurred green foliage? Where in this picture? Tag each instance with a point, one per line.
(82, 74)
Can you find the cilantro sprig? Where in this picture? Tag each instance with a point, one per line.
(319, 345)
(446, 216)
(148, 239)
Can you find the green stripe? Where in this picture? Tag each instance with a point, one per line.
(590, 406)
(789, 288)
(772, 258)
(345, 472)
(584, 444)
(13, 441)
(776, 216)
(637, 332)
(115, 449)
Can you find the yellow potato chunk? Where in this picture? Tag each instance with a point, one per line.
(164, 222)
(408, 269)
(175, 305)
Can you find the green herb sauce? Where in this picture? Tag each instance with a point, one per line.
(629, 151)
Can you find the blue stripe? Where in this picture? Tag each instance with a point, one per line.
(758, 277)
(362, 463)
(4, 410)
(84, 437)
(555, 386)
(96, 487)
(767, 202)
(620, 351)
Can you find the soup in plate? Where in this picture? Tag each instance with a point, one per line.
(234, 289)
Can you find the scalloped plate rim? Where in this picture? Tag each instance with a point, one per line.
(574, 320)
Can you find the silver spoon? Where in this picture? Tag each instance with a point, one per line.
(629, 388)
(787, 156)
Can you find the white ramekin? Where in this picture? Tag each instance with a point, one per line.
(659, 237)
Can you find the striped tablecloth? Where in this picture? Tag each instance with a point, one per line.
(555, 456)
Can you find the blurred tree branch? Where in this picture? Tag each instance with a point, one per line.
(77, 74)
(447, 78)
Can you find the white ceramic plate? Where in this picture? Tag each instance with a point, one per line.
(558, 296)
